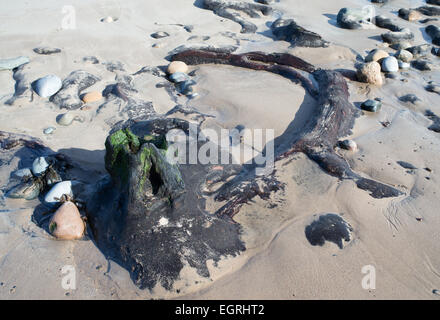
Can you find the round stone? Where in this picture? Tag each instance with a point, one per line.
(47, 86)
(404, 65)
(66, 224)
(390, 64)
(177, 66)
(92, 97)
(404, 55)
(57, 191)
(348, 145)
(371, 105)
(370, 73)
(376, 55)
(39, 166)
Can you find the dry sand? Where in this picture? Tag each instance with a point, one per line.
(398, 236)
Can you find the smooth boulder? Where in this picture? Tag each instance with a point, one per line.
(67, 224)
(47, 86)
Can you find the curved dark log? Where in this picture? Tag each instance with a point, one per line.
(228, 9)
(332, 119)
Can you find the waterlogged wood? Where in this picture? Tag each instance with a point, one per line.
(332, 119)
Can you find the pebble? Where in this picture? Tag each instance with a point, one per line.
(46, 50)
(179, 77)
(370, 73)
(348, 145)
(108, 19)
(92, 97)
(420, 50)
(49, 130)
(160, 34)
(404, 65)
(67, 118)
(390, 64)
(351, 18)
(422, 65)
(12, 63)
(22, 173)
(57, 191)
(404, 55)
(433, 88)
(47, 86)
(66, 224)
(371, 105)
(186, 87)
(409, 14)
(39, 166)
(27, 190)
(411, 98)
(376, 55)
(177, 66)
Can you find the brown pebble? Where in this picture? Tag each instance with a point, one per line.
(92, 97)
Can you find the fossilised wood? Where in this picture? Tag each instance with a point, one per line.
(332, 119)
(149, 217)
(227, 9)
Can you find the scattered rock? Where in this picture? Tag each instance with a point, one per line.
(186, 87)
(92, 97)
(160, 34)
(371, 105)
(404, 55)
(76, 81)
(376, 55)
(401, 45)
(390, 64)
(28, 189)
(422, 65)
(47, 86)
(179, 77)
(22, 173)
(434, 33)
(177, 66)
(411, 98)
(66, 224)
(429, 11)
(370, 73)
(397, 36)
(410, 14)
(433, 88)
(49, 130)
(435, 2)
(329, 227)
(348, 145)
(420, 50)
(39, 166)
(350, 18)
(386, 23)
(58, 190)
(67, 118)
(406, 165)
(12, 63)
(46, 50)
(188, 28)
(404, 65)
(436, 121)
(288, 30)
(91, 59)
(109, 19)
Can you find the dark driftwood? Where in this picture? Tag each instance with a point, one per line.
(332, 119)
(228, 9)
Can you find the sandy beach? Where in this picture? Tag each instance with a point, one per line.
(383, 245)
